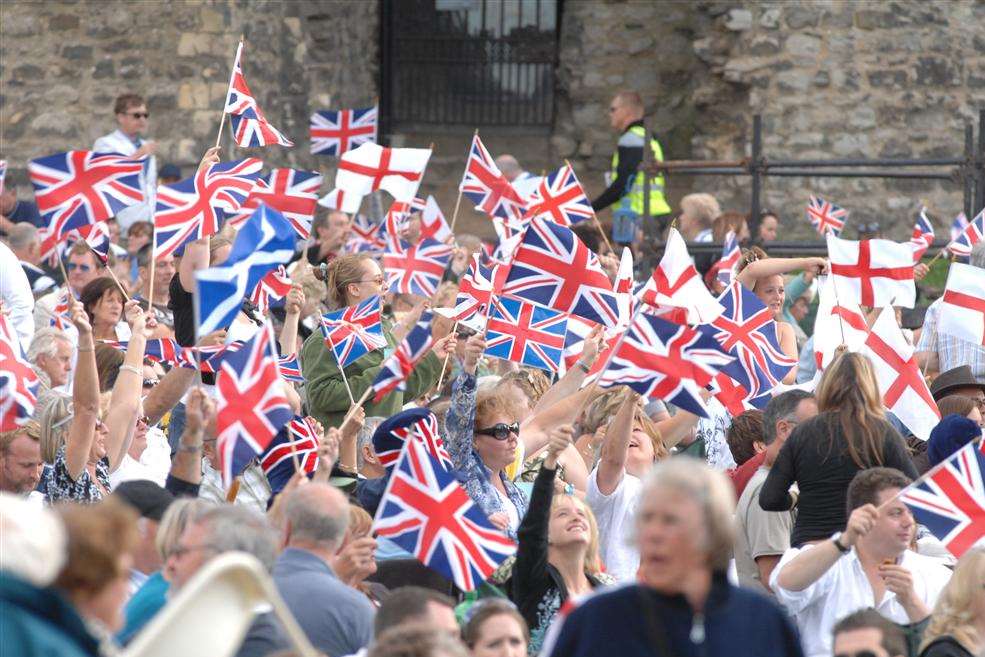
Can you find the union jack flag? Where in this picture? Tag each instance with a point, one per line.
(354, 332)
(395, 369)
(950, 501)
(958, 225)
(923, 235)
(485, 185)
(747, 331)
(526, 334)
(415, 269)
(574, 340)
(734, 396)
(250, 126)
(298, 440)
(730, 258)
(275, 284)
(217, 354)
(96, 236)
(425, 430)
(553, 268)
(290, 368)
(291, 192)
(364, 235)
(333, 132)
(195, 208)
(560, 198)
(395, 221)
(18, 382)
(162, 350)
(60, 317)
(81, 187)
(826, 216)
(969, 237)
(661, 360)
(251, 405)
(474, 290)
(426, 511)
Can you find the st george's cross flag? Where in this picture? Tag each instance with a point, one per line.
(292, 192)
(530, 335)
(250, 126)
(196, 207)
(675, 282)
(560, 198)
(962, 312)
(415, 269)
(949, 499)
(839, 320)
(296, 442)
(76, 188)
(873, 273)
(426, 511)
(250, 403)
(397, 368)
(902, 385)
(553, 268)
(338, 199)
(263, 242)
(486, 186)
(334, 132)
(18, 382)
(275, 285)
(624, 287)
(354, 331)
(371, 167)
(969, 237)
(826, 217)
(922, 236)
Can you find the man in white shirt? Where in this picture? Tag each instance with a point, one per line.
(16, 295)
(24, 241)
(868, 565)
(128, 139)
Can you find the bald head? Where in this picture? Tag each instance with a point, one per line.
(509, 166)
(316, 516)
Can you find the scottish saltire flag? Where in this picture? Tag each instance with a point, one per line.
(364, 235)
(426, 511)
(950, 501)
(553, 268)
(3, 173)
(527, 334)
(250, 126)
(922, 236)
(264, 242)
(295, 442)
(395, 369)
(370, 167)
(958, 225)
(251, 406)
(826, 216)
(275, 285)
(162, 350)
(76, 188)
(333, 132)
(415, 269)
(727, 264)
(560, 198)
(355, 331)
(291, 192)
(196, 207)
(747, 331)
(18, 382)
(290, 368)
(486, 186)
(424, 430)
(969, 237)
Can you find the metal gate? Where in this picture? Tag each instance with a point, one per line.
(468, 62)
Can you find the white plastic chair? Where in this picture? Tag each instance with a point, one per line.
(211, 614)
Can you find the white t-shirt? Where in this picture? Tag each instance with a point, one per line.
(615, 515)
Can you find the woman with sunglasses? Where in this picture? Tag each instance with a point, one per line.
(352, 279)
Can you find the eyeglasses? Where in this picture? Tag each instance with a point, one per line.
(72, 266)
(379, 280)
(138, 115)
(181, 550)
(500, 431)
(858, 653)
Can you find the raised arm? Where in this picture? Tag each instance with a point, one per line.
(125, 400)
(187, 463)
(292, 315)
(460, 419)
(773, 266)
(569, 384)
(613, 458)
(85, 396)
(196, 255)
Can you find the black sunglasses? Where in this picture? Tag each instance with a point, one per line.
(138, 115)
(500, 431)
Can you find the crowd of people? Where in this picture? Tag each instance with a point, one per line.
(641, 528)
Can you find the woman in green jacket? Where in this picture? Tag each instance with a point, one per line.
(351, 279)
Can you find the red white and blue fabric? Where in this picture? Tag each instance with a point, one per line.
(433, 224)
(251, 406)
(333, 132)
(18, 381)
(291, 192)
(735, 397)
(826, 216)
(474, 290)
(958, 225)
(950, 502)
(355, 331)
(397, 368)
(523, 333)
(486, 186)
(922, 236)
(676, 283)
(212, 357)
(162, 350)
(250, 126)
(297, 440)
(727, 264)
(574, 340)
(364, 235)
(370, 167)
(553, 268)
(424, 430)
(96, 237)
(76, 188)
(60, 317)
(661, 360)
(395, 221)
(747, 331)
(962, 313)
(415, 269)
(426, 511)
(560, 198)
(196, 207)
(873, 273)
(902, 385)
(290, 368)
(275, 284)
(969, 237)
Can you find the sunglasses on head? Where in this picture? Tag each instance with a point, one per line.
(500, 431)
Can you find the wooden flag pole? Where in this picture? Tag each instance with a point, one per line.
(595, 219)
(345, 379)
(444, 365)
(233, 491)
(834, 289)
(458, 202)
(355, 405)
(118, 283)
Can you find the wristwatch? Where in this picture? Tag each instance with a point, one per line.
(836, 539)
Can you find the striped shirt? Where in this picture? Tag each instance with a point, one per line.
(951, 351)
